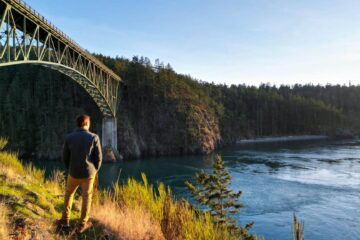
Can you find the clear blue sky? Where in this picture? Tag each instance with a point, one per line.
(222, 41)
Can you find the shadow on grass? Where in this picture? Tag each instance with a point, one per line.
(96, 232)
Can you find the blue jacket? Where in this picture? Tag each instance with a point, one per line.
(82, 153)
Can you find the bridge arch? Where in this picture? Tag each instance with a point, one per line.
(28, 38)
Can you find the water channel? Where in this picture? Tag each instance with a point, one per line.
(319, 180)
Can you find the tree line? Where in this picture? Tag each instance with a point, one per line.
(162, 112)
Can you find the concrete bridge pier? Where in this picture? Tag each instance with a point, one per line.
(109, 133)
(109, 140)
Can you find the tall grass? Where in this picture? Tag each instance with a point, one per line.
(138, 210)
(34, 172)
(27, 194)
(180, 221)
(3, 143)
(298, 229)
(10, 166)
(126, 223)
(134, 194)
(134, 210)
(10, 160)
(4, 223)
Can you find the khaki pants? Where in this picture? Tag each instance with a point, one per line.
(87, 186)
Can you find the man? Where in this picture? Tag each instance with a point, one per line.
(82, 157)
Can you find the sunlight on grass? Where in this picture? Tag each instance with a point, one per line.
(4, 222)
(133, 210)
(10, 160)
(3, 143)
(136, 208)
(35, 173)
(126, 223)
(9, 190)
(134, 194)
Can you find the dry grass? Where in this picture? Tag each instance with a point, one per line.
(131, 211)
(10, 160)
(127, 223)
(28, 196)
(135, 193)
(298, 229)
(4, 223)
(8, 173)
(137, 210)
(3, 143)
(56, 182)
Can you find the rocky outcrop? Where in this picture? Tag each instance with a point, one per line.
(111, 155)
(169, 137)
(342, 133)
(164, 113)
(128, 143)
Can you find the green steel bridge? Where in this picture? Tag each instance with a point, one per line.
(26, 37)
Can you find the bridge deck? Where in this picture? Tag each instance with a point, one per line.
(26, 37)
(30, 13)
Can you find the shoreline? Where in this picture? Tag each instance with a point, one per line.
(282, 139)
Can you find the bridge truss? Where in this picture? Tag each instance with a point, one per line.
(28, 38)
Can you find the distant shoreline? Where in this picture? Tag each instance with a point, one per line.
(282, 139)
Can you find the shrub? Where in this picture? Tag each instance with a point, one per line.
(213, 191)
(177, 219)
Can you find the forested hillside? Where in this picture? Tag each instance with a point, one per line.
(270, 111)
(162, 112)
(38, 107)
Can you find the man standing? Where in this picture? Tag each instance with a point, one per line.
(82, 157)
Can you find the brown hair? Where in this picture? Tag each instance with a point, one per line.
(81, 120)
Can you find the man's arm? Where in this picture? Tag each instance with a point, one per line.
(66, 155)
(97, 153)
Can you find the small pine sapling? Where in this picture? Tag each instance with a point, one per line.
(213, 191)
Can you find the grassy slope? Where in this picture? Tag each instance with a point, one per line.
(3, 221)
(29, 204)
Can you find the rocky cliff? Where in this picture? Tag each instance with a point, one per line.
(160, 112)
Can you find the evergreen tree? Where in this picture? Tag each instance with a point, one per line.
(197, 116)
(213, 191)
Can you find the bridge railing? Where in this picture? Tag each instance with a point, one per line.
(64, 36)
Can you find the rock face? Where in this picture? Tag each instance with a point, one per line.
(111, 155)
(208, 135)
(342, 133)
(128, 141)
(168, 133)
(164, 113)
(160, 112)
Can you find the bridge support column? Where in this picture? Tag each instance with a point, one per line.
(109, 133)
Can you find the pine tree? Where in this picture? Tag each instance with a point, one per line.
(213, 191)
